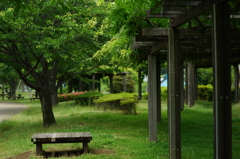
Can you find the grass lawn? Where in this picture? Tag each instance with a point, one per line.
(115, 135)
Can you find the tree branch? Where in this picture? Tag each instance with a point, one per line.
(62, 79)
(148, 21)
(6, 50)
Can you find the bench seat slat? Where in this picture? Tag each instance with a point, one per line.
(62, 137)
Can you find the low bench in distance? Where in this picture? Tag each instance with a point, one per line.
(51, 138)
(32, 99)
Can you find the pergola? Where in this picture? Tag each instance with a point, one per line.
(217, 46)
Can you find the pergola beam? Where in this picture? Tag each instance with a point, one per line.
(193, 12)
(159, 46)
(182, 32)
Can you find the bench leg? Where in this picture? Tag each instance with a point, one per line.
(38, 148)
(85, 147)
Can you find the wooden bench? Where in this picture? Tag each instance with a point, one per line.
(51, 138)
(32, 99)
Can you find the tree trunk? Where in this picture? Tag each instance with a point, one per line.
(46, 105)
(13, 84)
(54, 97)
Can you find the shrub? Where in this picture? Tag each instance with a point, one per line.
(87, 98)
(145, 96)
(120, 101)
(69, 96)
(118, 84)
(164, 93)
(205, 92)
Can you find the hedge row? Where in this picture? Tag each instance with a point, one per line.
(87, 98)
(126, 102)
(163, 94)
(204, 93)
(69, 96)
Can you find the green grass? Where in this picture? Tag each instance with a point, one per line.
(125, 135)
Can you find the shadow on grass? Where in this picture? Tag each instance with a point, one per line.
(62, 153)
(71, 153)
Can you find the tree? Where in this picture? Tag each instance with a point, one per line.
(9, 76)
(47, 45)
(205, 76)
(125, 20)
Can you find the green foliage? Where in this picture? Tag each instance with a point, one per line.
(205, 76)
(118, 84)
(145, 96)
(205, 93)
(87, 98)
(64, 39)
(120, 101)
(125, 20)
(164, 93)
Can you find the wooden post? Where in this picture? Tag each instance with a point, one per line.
(61, 89)
(125, 83)
(186, 84)
(158, 85)
(174, 94)
(99, 84)
(191, 90)
(38, 149)
(139, 84)
(23, 86)
(152, 98)
(111, 83)
(2, 91)
(70, 86)
(182, 86)
(195, 85)
(236, 83)
(222, 82)
(85, 147)
(93, 81)
(80, 86)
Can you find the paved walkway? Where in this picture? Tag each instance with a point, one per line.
(8, 109)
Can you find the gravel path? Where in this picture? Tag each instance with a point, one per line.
(8, 109)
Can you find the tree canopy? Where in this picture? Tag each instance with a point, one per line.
(47, 44)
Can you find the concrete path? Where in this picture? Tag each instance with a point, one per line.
(9, 109)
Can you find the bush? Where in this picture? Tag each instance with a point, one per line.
(163, 94)
(69, 96)
(87, 98)
(120, 101)
(205, 92)
(118, 84)
(145, 96)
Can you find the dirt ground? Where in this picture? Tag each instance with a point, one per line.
(59, 153)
